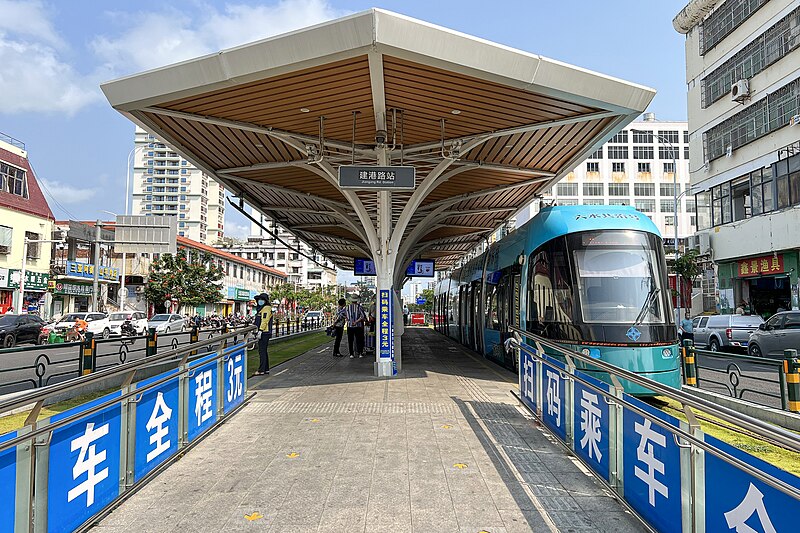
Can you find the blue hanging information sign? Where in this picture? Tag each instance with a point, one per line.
(652, 472)
(235, 376)
(156, 425)
(385, 324)
(202, 410)
(591, 423)
(553, 391)
(737, 501)
(83, 474)
(8, 484)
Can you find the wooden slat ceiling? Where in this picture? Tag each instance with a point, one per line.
(424, 95)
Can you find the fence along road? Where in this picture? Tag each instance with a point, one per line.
(662, 467)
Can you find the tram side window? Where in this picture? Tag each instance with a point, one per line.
(550, 300)
(493, 298)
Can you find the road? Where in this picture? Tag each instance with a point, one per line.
(756, 382)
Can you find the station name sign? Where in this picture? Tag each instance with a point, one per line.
(362, 177)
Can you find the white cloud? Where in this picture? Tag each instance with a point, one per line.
(237, 231)
(161, 38)
(35, 78)
(66, 194)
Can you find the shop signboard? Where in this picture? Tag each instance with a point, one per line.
(242, 295)
(760, 266)
(86, 270)
(71, 289)
(34, 281)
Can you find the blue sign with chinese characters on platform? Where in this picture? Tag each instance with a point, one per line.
(363, 267)
(156, 425)
(553, 401)
(8, 484)
(235, 376)
(202, 410)
(83, 473)
(652, 472)
(737, 501)
(527, 379)
(385, 324)
(591, 425)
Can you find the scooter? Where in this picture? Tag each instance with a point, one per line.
(127, 329)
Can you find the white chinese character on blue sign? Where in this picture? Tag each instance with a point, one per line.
(157, 429)
(203, 395)
(528, 377)
(88, 461)
(591, 418)
(554, 396)
(645, 455)
(753, 502)
(235, 386)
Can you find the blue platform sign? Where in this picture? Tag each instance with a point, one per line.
(234, 378)
(202, 410)
(737, 501)
(385, 324)
(527, 379)
(83, 474)
(421, 301)
(553, 401)
(156, 425)
(652, 472)
(591, 423)
(8, 483)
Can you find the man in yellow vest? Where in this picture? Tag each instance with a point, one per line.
(264, 325)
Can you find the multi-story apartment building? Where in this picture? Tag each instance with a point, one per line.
(636, 167)
(264, 248)
(166, 184)
(24, 214)
(743, 75)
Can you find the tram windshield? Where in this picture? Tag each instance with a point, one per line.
(619, 277)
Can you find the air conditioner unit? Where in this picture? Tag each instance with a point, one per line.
(693, 242)
(740, 91)
(704, 243)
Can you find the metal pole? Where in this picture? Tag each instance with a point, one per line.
(123, 293)
(21, 302)
(675, 193)
(96, 269)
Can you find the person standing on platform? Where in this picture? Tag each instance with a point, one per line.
(264, 328)
(355, 327)
(687, 328)
(338, 326)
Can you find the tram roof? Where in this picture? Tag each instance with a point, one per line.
(250, 117)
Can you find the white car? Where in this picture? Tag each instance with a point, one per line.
(137, 318)
(98, 323)
(167, 323)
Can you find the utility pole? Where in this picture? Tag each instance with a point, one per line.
(22, 276)
(95, 281)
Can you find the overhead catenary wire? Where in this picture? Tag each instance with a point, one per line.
(50, 194)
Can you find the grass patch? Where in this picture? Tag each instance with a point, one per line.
(14, 422)
(285, 350)
(775, 455)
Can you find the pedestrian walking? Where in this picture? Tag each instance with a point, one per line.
(338, 326)
(355, 327)
(264, 325)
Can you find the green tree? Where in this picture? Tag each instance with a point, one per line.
(687, 266)
(191, 278)
(427, 306)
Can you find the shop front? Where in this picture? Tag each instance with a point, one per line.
(761, 285)
(241, 298)
(70, 297)
(35, 300)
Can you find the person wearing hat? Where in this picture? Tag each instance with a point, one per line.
(355, 326)
(264, 331)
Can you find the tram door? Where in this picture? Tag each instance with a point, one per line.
(463, 308)
(477, 333)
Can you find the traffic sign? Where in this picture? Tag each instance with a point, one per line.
(421, 301)
(202, 410)
(84, 459)
(235, 375)
(156, 425)
(8, 484)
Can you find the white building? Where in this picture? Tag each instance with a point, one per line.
(166, 184)
(264, 248)
(743, 75)
(635, 168)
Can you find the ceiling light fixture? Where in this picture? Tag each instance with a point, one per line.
(456, 111)
(259, 146)
(304, 110)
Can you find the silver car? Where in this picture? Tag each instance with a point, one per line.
(780, 332)
(718, 332)
(167, 323)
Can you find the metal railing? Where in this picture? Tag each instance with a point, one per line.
(638, 441)
(53, 454)
(759, 380)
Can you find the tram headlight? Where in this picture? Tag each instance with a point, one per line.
(666, 353)
(586, 352)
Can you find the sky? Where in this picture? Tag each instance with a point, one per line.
(54, 55)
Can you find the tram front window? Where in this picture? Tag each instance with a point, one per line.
(619, 278)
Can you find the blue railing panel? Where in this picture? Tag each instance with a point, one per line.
(592, 437)
(235, 365)
(157, 425)
(8, 482)
(202, 412)
(554, 391)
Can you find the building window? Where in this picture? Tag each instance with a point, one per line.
(13, 180)
(693, 221)
(593, 166)
(618, 152)
(594, 201)
(567, 189)
(723, 20)
(667, 152)
(643, 152)
(686, 152)
(620, 138)
(598, 154)
(181, 234)
(33, 247)
(721, 204)
(618, 189)
(643, 137)
(644, 189)
(669, 168)
(618, 202)
(6, 235)
(593, 189)
(669, 136)
(617, 167)
(643, 168)
(669, 189)
(667, 206)
(669, 220)
(645, 206)
(685, 137)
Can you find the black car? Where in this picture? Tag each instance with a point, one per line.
(15, 329)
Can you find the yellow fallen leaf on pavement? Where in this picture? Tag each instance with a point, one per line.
(255, 516)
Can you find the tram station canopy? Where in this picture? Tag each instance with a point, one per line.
(486, 127)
